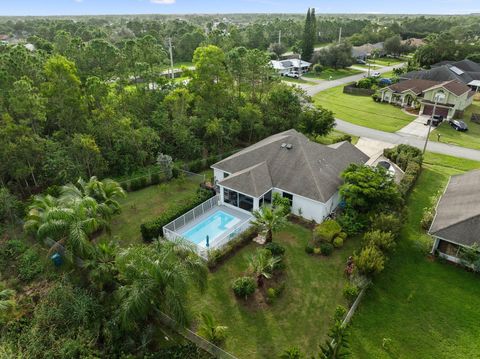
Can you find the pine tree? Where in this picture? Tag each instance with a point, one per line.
(313, 28)
(307, 44)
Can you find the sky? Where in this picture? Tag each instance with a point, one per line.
(99, 7)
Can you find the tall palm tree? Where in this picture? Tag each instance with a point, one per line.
(269, 220)
(262, 264)
(156, 278)
(7, 302)
(69, 225)
(211, 330)
(102, 267)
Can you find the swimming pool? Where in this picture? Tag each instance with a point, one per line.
(213, 226)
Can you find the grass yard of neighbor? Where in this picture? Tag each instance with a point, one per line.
(146, 204)
(334, 73)
(297, 81)
(387, 61)
(470, 139)
(362, 110)
(333, 136)
(419, 308)
(300, 317)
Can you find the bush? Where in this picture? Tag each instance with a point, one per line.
(370, 260)
(387, 222)
(309, 249)
(352, 222)
(408, 181)
(427, 218)
(350, 293)
(276, 249)
(138, 183)
(382, 240)
(317, 68)
(327, 230)
(340, 312)
(402, 155)
(153, 229)
(243, 287)
(279, 201)
(155, 178)
(338, 242)
(125, 186)
(13, 248)
(326, 248)
(29, 265)
(317, 250)
(196, 166)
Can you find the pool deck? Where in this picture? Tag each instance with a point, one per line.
(242, 215)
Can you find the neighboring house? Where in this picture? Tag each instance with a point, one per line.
(368, 50)
(284, 67)
(457, 219)
(465, 71)
(453, 96)
(413, 42)
(288, 163)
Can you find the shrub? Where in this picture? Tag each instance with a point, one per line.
(350, 293)
(338, 242)
(317, 250)
(243, 287)
(13, 248)
(382, 240)
(387, 222)
(352, 222)
(309, 249)
(317, 68)
(125, 185)
(137, 183)
(276, 249)
(410, 177)
(29, 265)
(402, 155)
(143, 182)
(153, 229)
(196, 165)
(271, 295)
(326, 248)
(155, 178)
(339, 314)
(370, 260)
(327, 230)
(279, 201)
(427, 218)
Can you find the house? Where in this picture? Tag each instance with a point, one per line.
(284, 67)
(453, 97)
(413, 42)
(464, 71)
(457, 220)
(288, 163)
(368, 50)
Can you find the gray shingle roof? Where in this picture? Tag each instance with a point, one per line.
(442, 72)
(457, 216)
(307, 169)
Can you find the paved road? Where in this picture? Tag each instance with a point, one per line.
(396, 138)
(325, 85)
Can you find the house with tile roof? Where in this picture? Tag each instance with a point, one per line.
(453, 96)
(456, 224)
(288, 163)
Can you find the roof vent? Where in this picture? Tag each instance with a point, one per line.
(284, 145)
(289, 146)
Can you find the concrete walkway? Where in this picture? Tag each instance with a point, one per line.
(396, 138)
(416, 128)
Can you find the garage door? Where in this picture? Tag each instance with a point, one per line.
(440, 111)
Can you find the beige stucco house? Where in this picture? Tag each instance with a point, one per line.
(452, 97)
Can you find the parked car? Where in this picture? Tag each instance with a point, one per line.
(376, 74)
(437, 119)
(361, 62)
(458, 125)
(293, 74)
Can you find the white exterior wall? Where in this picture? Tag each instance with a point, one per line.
(218, 175)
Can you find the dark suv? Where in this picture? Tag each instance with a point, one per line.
(437, 119)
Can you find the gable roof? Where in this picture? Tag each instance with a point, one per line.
(417, 86)
(455, 87)
(457, 216)
(308, 169)
(463, 71)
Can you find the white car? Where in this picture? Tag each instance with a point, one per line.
(376, 74)
(293, 74)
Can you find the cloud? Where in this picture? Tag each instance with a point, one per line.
(163, 2)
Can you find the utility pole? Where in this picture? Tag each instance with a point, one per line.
(340, 35)
(171, 56)
(430, 125)
(280, 37)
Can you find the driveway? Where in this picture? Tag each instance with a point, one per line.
(416, 128)
(395, 138)
(372, 147)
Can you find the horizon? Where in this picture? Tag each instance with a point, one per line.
(26, 8)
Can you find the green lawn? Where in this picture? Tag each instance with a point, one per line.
(387, 61)
(333, 136)
(419, 308)
(297, 81)
(362, 110)
(334, 73)
(470, 139)
(145, 204)
(300, 317)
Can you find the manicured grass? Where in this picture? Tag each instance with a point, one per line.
(419, 308)
(362, 110)
(300, 317)
(297, 81)
(470, 139)
(387, 61)
(145, 204)
(333, 136)
(334, 73)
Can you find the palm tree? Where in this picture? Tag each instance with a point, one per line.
(292, 353)
(336, 347)
(7, 303)
(102, 266)
(269, 220)
(157, 278)
(210, 330)
(68, 224)
(262, 264)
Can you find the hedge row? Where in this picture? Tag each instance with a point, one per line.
(153, 229)
(409, 159)
(202, 164)
(144, 181)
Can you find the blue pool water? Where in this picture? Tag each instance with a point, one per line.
(214, 226)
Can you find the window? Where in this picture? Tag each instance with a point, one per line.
(245, 202)
(266, 199)
(230, 197)
(289, 196)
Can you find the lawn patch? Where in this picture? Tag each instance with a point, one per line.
(335, 74)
